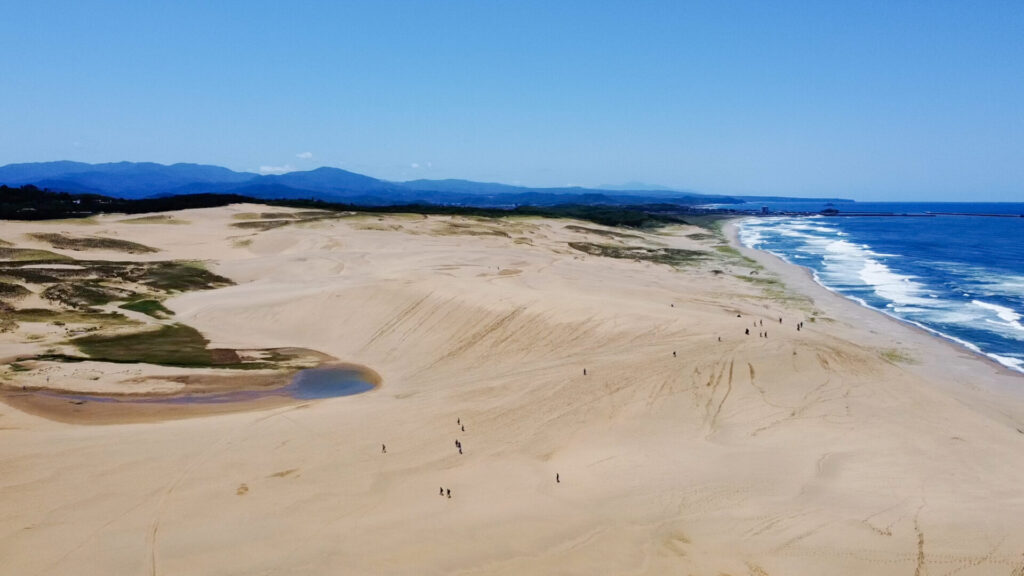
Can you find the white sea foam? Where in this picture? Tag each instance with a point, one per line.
(984, 281)
(1003, 312)
(750, 237)
(1008, 317)
(855, 270)
(1008, 361)
(854, 264)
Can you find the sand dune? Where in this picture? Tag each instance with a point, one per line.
(857, 445)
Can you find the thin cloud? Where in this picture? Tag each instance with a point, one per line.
(304, 155)
(276, 169)
(414, 165)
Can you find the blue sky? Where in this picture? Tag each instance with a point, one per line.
(871, 100)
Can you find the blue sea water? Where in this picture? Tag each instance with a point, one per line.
(961, 277)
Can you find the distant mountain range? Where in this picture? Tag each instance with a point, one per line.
(133, 180)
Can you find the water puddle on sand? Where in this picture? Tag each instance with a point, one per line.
(329, 382)
(309, 384)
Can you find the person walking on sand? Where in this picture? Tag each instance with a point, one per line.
(584, 371)
(449, 492)
(747, 331)
(442, 491)
(673, 353)
(383, 449)
(558, 479)
(463, 428)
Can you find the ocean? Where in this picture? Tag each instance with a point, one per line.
(960, 277)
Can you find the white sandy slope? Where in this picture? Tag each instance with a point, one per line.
(801, 453)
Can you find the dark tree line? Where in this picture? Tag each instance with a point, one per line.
(31, 203)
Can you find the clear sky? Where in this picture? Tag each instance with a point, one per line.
(884, 100)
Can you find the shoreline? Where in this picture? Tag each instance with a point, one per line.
(801, 279)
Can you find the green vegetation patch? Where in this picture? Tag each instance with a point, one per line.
(599, 232)
(63, 317)
(155, 219)
(896, 356)
(179, 276)
(30, 255)
(84, 295)
(468, 229)
(9, 291)
(669, 256)
(175, 345)
(760, 281)
(728, 251)
(701, 236)
(152, 308)
(733, 253)
(64, 242)
(7, 322)
(5, 244)
(167, 275)
(261, 224)
(29, 275)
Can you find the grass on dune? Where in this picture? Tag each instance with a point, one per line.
(599, 232)
(10, 291)
(175, 345)
(30, 255)
(65, 242)
(180, 276)
(896, 356)
(155, 219)
(84, 294)
(148, 307)
(261, 224)
(60, 317)
(669, 256)
(700, 236)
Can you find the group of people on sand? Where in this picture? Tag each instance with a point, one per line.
(760, 324)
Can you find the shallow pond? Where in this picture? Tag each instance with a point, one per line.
(328, 382)
(309, 384)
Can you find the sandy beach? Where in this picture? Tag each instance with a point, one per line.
(681, 443)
